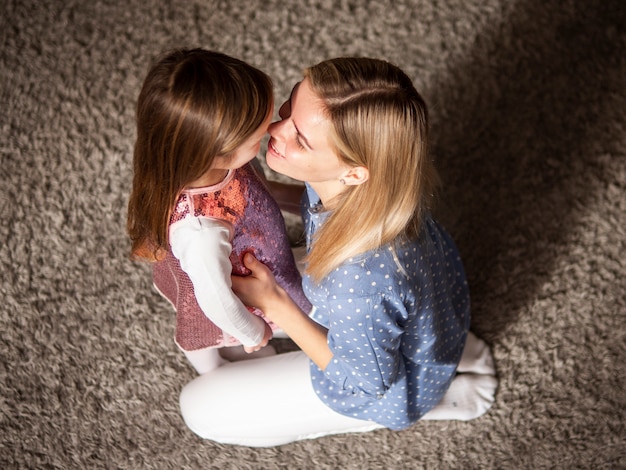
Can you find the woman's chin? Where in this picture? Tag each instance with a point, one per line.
(271, 161)
(274, 161)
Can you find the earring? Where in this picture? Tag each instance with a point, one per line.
(342, 181)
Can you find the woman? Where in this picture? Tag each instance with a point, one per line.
(391, 304)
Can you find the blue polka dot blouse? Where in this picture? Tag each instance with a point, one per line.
(397, 322)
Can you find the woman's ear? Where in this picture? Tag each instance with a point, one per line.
(355, 176)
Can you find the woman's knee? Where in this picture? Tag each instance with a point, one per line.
(193, 408)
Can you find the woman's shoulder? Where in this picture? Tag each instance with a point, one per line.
(366, 274)
(399, 257)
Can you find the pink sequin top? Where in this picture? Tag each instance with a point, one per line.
(242, 202)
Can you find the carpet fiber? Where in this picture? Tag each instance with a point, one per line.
(528, 101)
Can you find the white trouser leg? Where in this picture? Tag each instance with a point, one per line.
(261, 403)
(204, 360)
(270, 401)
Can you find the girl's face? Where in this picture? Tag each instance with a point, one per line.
(299, 146)
(246, 151)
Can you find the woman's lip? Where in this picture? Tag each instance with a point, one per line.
(272, 149)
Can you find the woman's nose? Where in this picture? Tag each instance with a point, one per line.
(274, 129)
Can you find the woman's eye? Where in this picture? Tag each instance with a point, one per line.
(299, 143)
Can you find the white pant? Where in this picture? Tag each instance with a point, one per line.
(270, 401)
(264, 404)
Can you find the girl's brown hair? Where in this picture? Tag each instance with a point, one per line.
(380, 122)
(195, 105)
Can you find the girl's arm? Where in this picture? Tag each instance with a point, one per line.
(203, 247)
(261, 290)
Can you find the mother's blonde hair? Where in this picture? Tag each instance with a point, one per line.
(379, 121)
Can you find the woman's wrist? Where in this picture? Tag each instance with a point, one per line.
(305, 332)
(277, 304)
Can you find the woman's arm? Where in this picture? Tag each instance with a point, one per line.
(261, 290)
(286, 195)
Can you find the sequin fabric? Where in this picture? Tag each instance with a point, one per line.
(258, 227)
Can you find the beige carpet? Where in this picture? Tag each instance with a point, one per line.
(528, 99)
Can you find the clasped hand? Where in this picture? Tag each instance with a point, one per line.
(259, 289)
(256, 290)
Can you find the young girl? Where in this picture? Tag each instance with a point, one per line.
(386, 343)
(197, 205)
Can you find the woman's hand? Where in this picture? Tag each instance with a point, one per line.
(259, 289)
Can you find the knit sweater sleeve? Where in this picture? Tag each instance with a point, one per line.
(202, 245)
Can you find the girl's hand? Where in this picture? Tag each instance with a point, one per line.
(259, 289)
(266, 339)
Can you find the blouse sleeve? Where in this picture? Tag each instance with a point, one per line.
(365, 344)
(203, 247)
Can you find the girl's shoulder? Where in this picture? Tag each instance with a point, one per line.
(207, 201)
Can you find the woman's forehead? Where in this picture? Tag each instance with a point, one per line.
(306, 103)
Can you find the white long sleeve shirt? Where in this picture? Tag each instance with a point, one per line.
(202, 245)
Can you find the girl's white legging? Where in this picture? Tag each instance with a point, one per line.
(270, 401)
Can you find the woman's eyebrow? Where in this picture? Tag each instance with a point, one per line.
(300, 134)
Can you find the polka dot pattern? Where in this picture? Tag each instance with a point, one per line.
(397, 322)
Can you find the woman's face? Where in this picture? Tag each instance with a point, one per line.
(299, 146)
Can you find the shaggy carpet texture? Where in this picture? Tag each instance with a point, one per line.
(528, 100)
